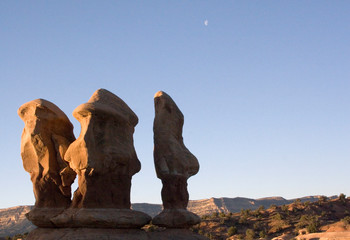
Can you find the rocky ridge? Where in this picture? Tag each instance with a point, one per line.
(13, 220)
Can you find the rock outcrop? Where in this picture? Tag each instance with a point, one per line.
(46, 136)
(105, 160)
(174, 164)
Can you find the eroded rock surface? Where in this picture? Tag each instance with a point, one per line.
(174, 163)
(46, 136)
(103, 155)
(105, 160)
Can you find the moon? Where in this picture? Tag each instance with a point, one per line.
(206, 22)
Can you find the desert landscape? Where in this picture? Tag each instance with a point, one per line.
(114, 114)
(314, 217)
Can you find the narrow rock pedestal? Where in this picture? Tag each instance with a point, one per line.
(174, 164)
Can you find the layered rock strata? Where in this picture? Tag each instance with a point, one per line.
(174, 164)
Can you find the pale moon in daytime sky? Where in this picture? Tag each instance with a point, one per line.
(206, 22)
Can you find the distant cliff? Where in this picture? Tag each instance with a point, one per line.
(13, 220)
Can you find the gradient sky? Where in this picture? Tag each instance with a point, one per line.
(263, 85)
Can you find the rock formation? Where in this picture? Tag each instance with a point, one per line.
(105, 160)
(174, 164)
(46, 136)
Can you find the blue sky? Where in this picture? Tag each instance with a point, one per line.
(264, 87)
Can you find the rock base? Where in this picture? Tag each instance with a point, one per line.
(41, 217)
(176, 218)
(111, 234)
(101, 218)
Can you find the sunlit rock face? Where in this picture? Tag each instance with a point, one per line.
(103, 155)
(174, 163)
(171, 157)
(46, 136)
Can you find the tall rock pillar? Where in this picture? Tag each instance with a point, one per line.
(174, 164)
(104, 158)
(46, 136)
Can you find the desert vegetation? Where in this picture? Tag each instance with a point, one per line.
(293, 219)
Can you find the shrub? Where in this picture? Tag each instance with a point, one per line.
(231, 231)
(310, 222)
(257, 226)
(246, 212)
(262, 234)
(313, 226)
(261, 208)
(249, 234)
(322, 199)
(277, 216)
(222, 220)
(284, 208)
(222, 215)
(346, 220)
(214, 214)
(303, 221)
(342, 197)
(243, 220)
(240, 236)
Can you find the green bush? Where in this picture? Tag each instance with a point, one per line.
(342, 197)
(284, 208)
(346, 220)
(231, 231)
(277, 216)
(243, 220)
(273, 206)
(322, 199)
(310, 222)
(313, 227)
(249, 234)
(246, 212)
(262, 234)
(222, 215)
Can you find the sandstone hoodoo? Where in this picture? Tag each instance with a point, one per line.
(46, 136)
(105, 160)
(174, 164)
